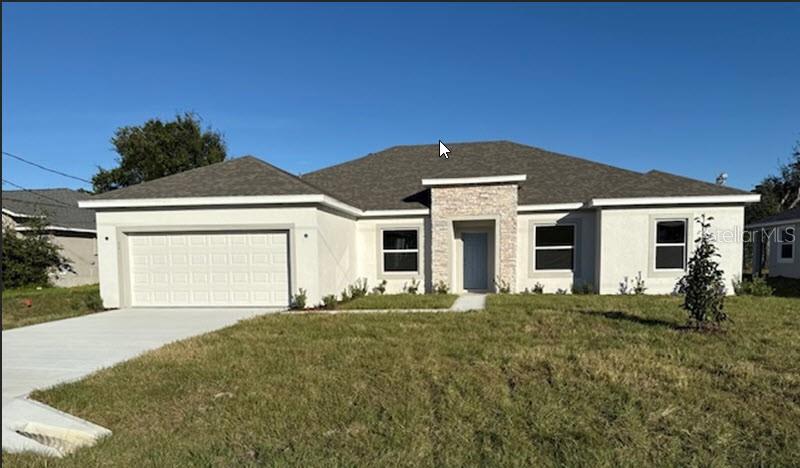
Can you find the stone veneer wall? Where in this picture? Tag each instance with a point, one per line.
(471, 202)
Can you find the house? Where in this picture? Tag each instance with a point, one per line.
(71, 228)
(243, 232)
(777, 246)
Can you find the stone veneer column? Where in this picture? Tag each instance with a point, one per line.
(473, 202)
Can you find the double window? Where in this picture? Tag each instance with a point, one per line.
(670, 245)
(400, 250)
(554, 247)
(785, 243)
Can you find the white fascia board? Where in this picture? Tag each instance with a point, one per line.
(551, 207)
(388, 213)
(19, 215)
(773, 223)
(475, 180)
(56, 228)
(222, 201)
(693, 200)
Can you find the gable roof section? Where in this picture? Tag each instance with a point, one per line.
(59, 205)
(245, 176)
(784, 217)
(392, 179)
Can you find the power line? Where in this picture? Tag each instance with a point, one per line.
(59, 202)
(20, 158)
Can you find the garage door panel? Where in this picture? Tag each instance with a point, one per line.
(180, 269)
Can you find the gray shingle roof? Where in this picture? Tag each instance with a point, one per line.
(235, 177)
(391, 179)
(787, 215)
(60, 205)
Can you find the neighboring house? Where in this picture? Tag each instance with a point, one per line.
(243, 232)
(779, 241)
(72, 228)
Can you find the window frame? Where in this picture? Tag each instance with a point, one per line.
(573, 247)
(381, 251)
(780, 242)
(684, 244)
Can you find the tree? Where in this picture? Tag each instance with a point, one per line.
(157, 149)
(29, 258)
(703, 286)
(778, 192)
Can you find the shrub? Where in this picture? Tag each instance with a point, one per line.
(345, 295)
(30, 258)
(380, 288)
(441, 287)
(561, 292)
(582, 288)
(299, 299)
(538, 288)
(411, 288)
(503, 287)
(757, 286)
(703, 287)
(329, 302)
(358, 289)
(638, 287)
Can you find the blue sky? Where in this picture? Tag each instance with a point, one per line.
(689, 89)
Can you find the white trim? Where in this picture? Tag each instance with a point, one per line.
(380, 213)
(474, 180)
(684, 244)
(550, 207)
(211, 201)
(56, 228)
(19, 215)
(383, 251)
(773, 223)
(693, 200)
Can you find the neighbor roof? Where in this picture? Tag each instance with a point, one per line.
(59, 205)
(391, 179)
(788, 216)
(234, 177)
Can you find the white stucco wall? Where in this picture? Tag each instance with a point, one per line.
(626, 244)
(303, 224)
(81, 250)
(337, 247)
(784, 268)
(585, 251)
(368, 242)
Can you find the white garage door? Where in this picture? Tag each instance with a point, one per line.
(208, 269)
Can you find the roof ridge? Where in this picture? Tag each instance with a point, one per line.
(656, 171)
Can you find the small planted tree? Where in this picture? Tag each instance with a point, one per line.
(703, 286)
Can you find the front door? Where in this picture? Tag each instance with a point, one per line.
(475, 261)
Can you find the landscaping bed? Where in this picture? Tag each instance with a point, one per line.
(400, 301)
(535, 380)
(23, 307)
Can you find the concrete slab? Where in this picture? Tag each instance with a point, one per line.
(47, 354)
(469, 301)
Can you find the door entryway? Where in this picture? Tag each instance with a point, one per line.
(476, 254)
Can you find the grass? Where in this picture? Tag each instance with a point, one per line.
(401, 301)
(23, 307)
(533, 380)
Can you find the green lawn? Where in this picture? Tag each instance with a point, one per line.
(534, 380)
(23, 307)
(401, 301)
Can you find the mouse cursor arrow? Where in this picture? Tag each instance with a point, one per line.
(443, 150)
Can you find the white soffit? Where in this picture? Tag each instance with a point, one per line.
(475, 180)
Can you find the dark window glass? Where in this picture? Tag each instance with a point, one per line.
(669, 256)
(670, 232)
(786, 251)
(555, 236)
(400, 261)
(399, 240)
(554, 259)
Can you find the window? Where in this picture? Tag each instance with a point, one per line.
(786, 244)
(554, 247)
(400, 251)
(671, 245)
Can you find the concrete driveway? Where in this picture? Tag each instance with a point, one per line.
(44, 355)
